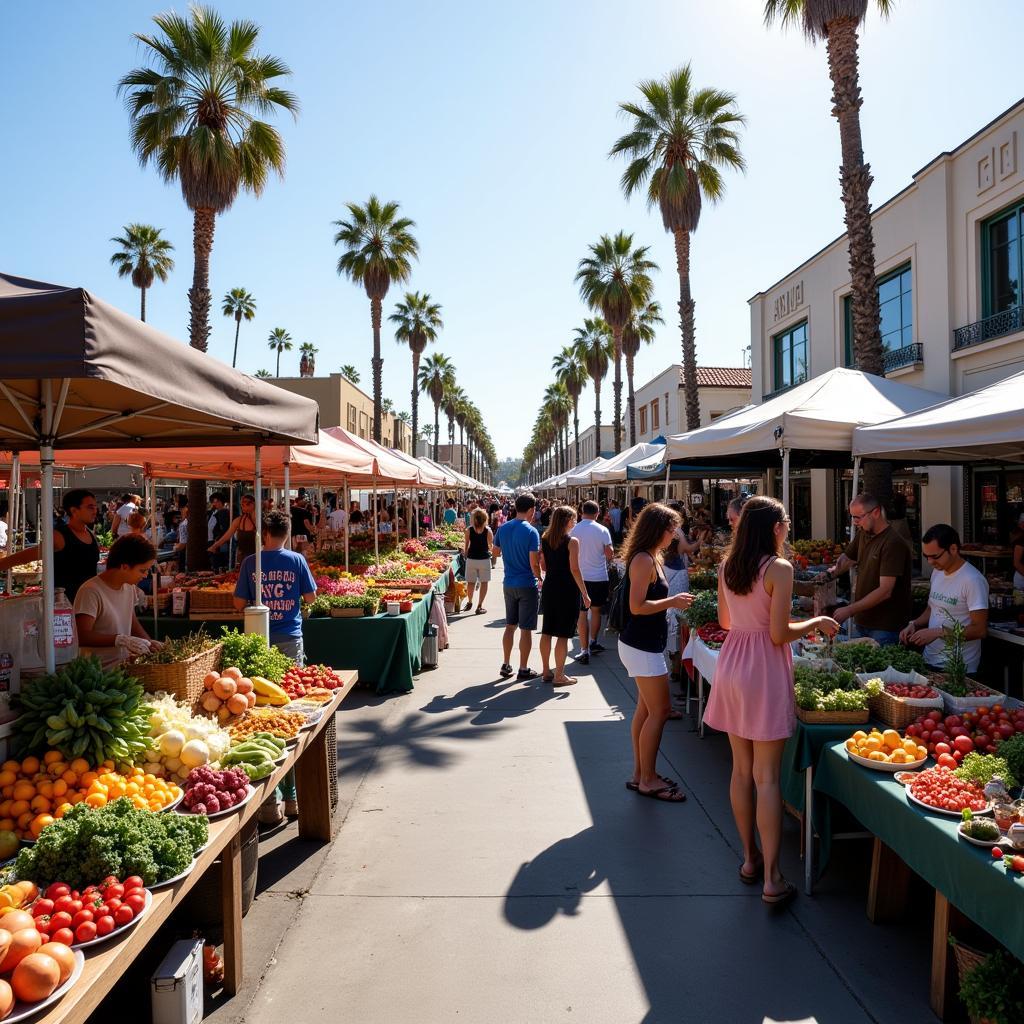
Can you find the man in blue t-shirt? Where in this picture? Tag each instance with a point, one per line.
(518, 544)
(287, 582)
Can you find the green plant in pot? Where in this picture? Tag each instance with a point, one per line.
(993, 991)
(955, 669)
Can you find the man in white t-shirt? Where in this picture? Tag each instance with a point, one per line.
(337, 519)
(129, 506)
(595, 553)
(957, 592)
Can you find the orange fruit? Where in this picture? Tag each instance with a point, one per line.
(12, 766)
(52, 755)
(18, 808)
(61, 810)
(87, 778)
(57, 768)
(30, 766)
(8, 778)
(877, 755)
(70, 777)
(96, 800)
(7, 824)
(59, 788)
(24, 790)
(39, 822)
(45, 788)
(40, 804)
(79, 765)
(24, 820)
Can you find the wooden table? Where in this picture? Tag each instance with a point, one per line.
(104, 967)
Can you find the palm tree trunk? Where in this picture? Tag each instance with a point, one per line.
(630, 400)
(142, 305)
(279, 361)
(203, 221)
(855, 181)
(437, 427)
(686, 310)
(415, 400)
(203, 224)
(617, 391)
(378, 363)
(238, 325)
(597, 418)
(576, 425)
(462, 450)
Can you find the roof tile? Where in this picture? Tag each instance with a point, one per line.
(721, 377)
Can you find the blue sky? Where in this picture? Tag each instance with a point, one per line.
(491, 126)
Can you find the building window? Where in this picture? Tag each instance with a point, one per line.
(655, 422)
(667, 411)
(1001, 261)
(350, 414)
(364, 421)
(643, 419)
(789, 351)
(895, 303)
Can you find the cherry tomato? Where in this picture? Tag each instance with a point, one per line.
(82, 915)
(113, 905)
(136, 900)
(43, 924)
(116, 890)
(76, 906)
(88, 930)
(124, 914)
(110, 880)
(133, 882)
(997, 853)
(62, 919)
(58, 889)
(63, 903)
(65, 936)
(43, 906)
(99, 910)
(104, 925)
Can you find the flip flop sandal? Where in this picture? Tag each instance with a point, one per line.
(780, 898)
(675, 715)
(505, 671)
(666, 794)
(634, 786)
(750, 879)
(548, 677)
(525, 674)
(564, 682)
(480, 611)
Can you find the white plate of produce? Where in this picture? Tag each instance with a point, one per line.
(23, 1011)
(886, 766)
(173, 803)
(177, 878)
(227, 810)
(942, 810)
(910, 776)
(120, 930)
(988, 843)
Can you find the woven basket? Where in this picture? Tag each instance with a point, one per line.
(899, 712)
(347, 613)
(211, 600)
(832, 717)
(182, 679)
(966, 960)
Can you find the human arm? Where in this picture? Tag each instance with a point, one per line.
(686, 547)
(232, 529)
(309, 597)
(245, 593)
(640, 568)
(465, 542)
(886, 585)
(914, 626)
(843, 563)
(535, 564)
(115, 524)
(724, 619)
(574, 568)
(975, 630)
(778, 581)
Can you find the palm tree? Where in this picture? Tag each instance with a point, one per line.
(379, 249)
(242, 306)
(279, 340)
(144, 256)
(194, 111)
(452, 396)
(639, 331)
(836, 22)
(614, 280)
(263, 373)
(307, 364)
(350, 372)
(595, 346)
(557, 406)
(435, 373)
(679, 141)
(404, 417)
(387, 406)
(571, 371)
(417, 320)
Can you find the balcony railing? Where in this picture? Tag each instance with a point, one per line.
(1006, 322)
(898, 358)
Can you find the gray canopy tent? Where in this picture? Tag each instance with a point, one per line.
(78, 373)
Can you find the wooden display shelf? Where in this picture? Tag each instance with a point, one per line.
(104, 967)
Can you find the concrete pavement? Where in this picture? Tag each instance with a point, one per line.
(491, 867)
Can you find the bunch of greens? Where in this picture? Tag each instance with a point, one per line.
(704, 609)
(819, 689)
(87, 845)
(994, 990)
(862, 657)
(178, 648)
(369, 602)
(104, 538)
(983, 768)
(953, 639)
(84, 710)
(1012, 752)
(251, 653)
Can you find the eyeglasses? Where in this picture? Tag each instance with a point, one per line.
(935, 558)
(862, 515)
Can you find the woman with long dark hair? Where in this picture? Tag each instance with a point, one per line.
(642, 644)
(752, 696)
(562, 592)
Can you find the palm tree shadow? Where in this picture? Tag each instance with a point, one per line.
(496, 701)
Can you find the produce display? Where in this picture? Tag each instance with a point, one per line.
(181, 740)
(703, 610)
(982, 830)
(35, 794)
(282, 724)
(84, 710)
(33, 969)
(88, 844)
(176, 649)
(981, 769)
(821, 689)
(209, 791)
(298, 682)
(984, 730)
(368, 603)
(228, 694)
(815, 552)
(888, 747)
(913, 691)
(71, 918)
(256, 756)
(703, 579)
(939, 788)
(865, 657)
(253, 656)
(712, 634)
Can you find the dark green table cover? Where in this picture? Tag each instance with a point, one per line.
(802, 751)
(384, 649)
(929, 845)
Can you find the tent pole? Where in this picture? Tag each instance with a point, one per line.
(856, 476)
(151, 498)
(12, 509)
(287, 495)
(785, 478)
(45, 528)
(348, 513)
(376, 547)
(668, 473)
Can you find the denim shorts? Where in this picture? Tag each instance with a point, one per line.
(521, 606)
(291, 647)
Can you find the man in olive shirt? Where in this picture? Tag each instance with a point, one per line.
(882, 600)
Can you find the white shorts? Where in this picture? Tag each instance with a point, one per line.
(642, 663)
(478, 570)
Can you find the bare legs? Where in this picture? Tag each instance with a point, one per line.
(506, 644)
(483, 595)
(649, 719)
(545, 653)
(757, 800)
(469, 593)
(525, 645)
(589, 626)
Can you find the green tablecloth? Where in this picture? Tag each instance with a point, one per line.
(385, 649)
(929, 845)
(803, 751)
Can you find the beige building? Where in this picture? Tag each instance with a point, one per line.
(949, 252)
(587, 449)
(342, 404)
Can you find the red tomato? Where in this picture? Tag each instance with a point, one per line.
(942, 748)
(110, 880)
(63, 904)
(58, 889)
(113, 905)
(82, 915)
(43, 924)
(136, 900)
(76, 906)
(87, 931)
(104, 925)
(133, 882)
(964, 744)
(62, 919)
(124, 915)
(43, 906)
(65, 936)
(947, 760)
(113, 890)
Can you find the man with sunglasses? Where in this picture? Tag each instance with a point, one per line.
(957, 592)
(882, 599)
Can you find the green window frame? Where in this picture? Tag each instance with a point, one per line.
(896, 305)
(1002, 261)
(791, 356)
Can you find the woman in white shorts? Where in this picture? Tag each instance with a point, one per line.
(477, 549)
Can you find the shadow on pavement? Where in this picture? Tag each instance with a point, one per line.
(497, 701)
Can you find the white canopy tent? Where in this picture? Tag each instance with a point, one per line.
(614, 469)
(984, 424)
(579, 476)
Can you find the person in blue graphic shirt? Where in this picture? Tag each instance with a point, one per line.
(517, 543)
(287, 583)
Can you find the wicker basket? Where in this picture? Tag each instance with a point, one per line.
(899, 712)
(182, 679)
(331, 729)
(832, 717)
(967, 959)
(347, 613)
(211, 600)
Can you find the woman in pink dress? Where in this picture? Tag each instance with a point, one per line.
(752, 695)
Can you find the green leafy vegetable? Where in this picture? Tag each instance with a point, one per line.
(819, 689)
(861, 657)
(179, 648)
(251, 653)
(994, 990)
(983, 768)
(704, 609)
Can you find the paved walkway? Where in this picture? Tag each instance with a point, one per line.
(491, 867)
